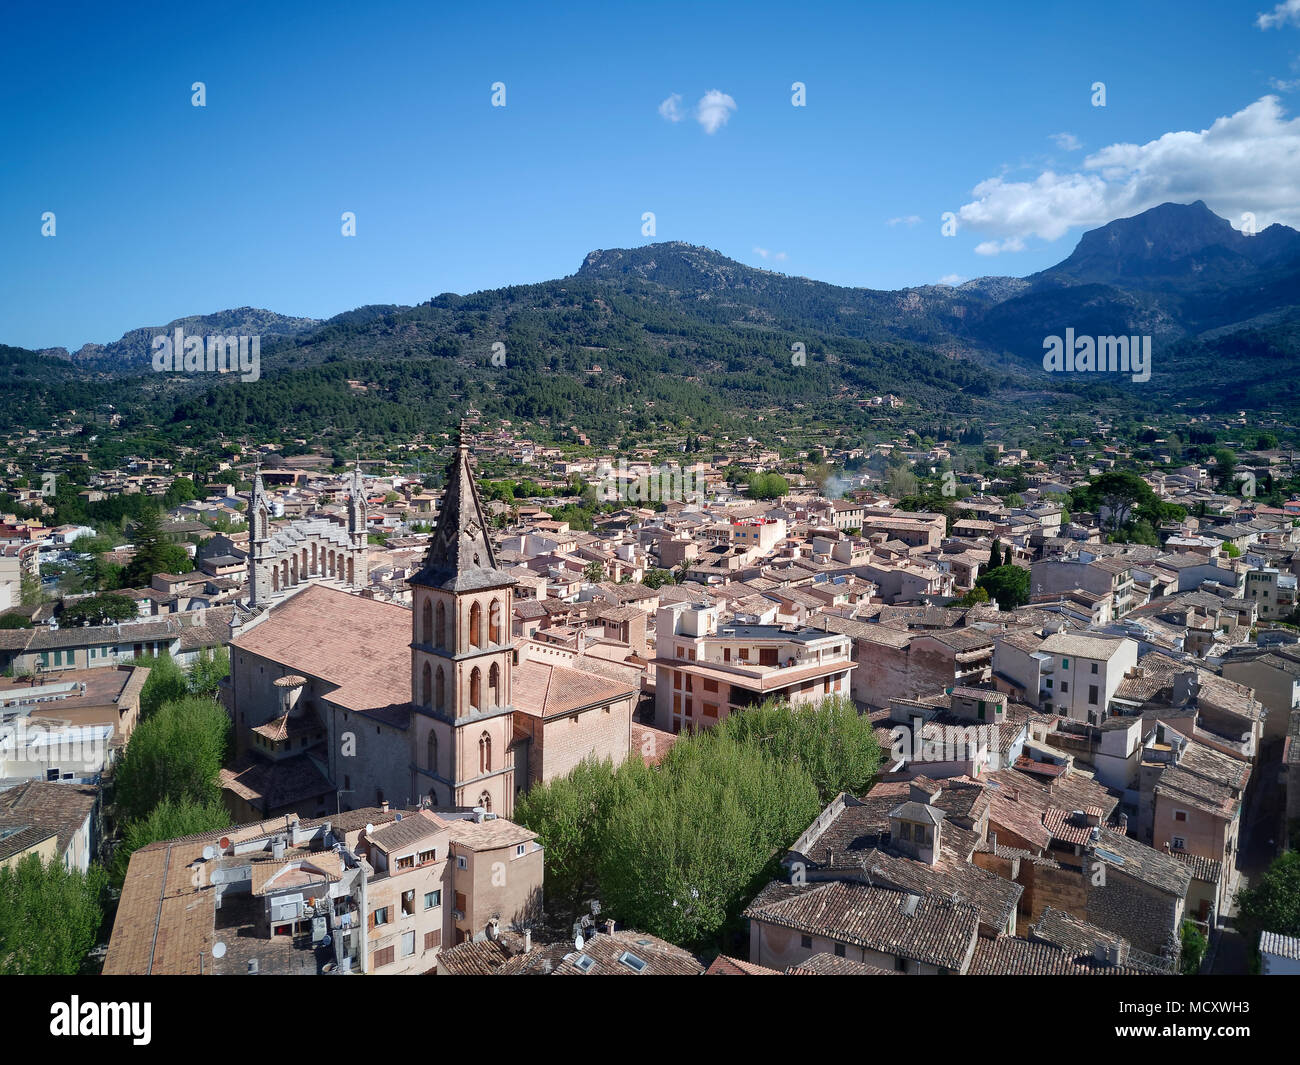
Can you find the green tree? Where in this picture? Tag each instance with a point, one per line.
(208, 670)
(995, 555)
(831, 740)
(49, 916)
(684, 851)
(99, 610)
(767, 486)
(569, 815)
(1009, 585)
(167, 820)
(176, 754)
(594, 572)
(1272, 903)
(657, 578)
(152, 553)
(166, 683)
(1194, 945)
(971, 598)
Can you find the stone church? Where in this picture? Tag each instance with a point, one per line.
(340, 701)
(304, 551)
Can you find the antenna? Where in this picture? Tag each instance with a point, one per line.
(209, 853)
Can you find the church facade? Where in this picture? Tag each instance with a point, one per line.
(305, 551)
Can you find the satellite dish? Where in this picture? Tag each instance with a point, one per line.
(218, 950)
(218, 876)
(225, 842)
(369, 829)
(399, 817)
(578, 941)
(208, 854)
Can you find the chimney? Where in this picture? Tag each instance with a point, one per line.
(1123, 824)
(993, 841)
(528, 940)
(384, 806)
(609, 927)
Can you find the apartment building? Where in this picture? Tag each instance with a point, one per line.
(707, 668)
(373, 891)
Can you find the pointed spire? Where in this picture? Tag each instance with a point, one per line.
(460, 556)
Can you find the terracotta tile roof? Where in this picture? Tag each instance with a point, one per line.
(412, 829)
(833, 965)
(1013, 956)
(607, 952)
(361, 645)
(937, 931)
(491, 834)
(723, 965)
(543, 689)
(47, 805)
(651, 743)
(272, 785)
(1207, 869)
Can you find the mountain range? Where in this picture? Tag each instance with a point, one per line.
(672, 332)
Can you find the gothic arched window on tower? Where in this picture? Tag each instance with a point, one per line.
(494, 622)
(442, 691)
(476, 689)
(433, 753)
(494, 686)
(485, 801)
(426, 687)
(485, 753)
(444, 637)
(476, 625)
(426, 623)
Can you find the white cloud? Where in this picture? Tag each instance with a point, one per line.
(951, 279)
(1249, 161)
(776, 256)
(906, 220)
(1287, 11)
(1067, 142)
(713, 110)
(1284, 86)
(997, 247)
(671, 108)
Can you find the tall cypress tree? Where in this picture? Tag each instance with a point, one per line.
(995, 556)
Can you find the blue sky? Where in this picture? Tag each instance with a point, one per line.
(164, 209)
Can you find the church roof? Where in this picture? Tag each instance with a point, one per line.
(460, 556)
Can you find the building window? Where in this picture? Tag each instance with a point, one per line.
(710, 685)
(1094, 667)
(426, 857)
(485, 753)
(384, 957)
(1180, 815)
(461, 862)
(1179, 843)
(432, 900)
(406, 862)
(1092, 694)
(485, 801)
(408, 944)
(432, 939)
(408, 904)
(1065, 663)
(520, 849)
(379, 917)
(839, 950)
(805, 942)
(1065, 686)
